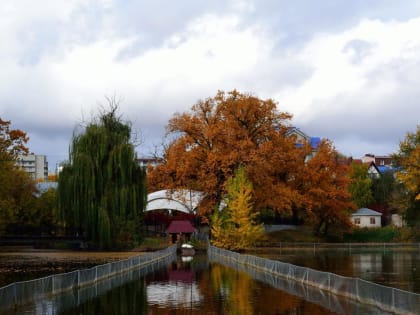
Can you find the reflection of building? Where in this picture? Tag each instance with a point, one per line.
(172, 294)
(180, 289)
(35, 165)
(181, 275)
(367, 263)
(365, 217)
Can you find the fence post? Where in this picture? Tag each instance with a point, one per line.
(14, 294)
(329, 282)
(393, 298)
(357, 289)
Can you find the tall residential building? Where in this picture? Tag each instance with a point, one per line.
(35, 165)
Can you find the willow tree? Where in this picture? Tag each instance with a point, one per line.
(101, 189)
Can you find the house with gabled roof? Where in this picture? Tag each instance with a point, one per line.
(365, 217)
(373, 170)
(383, 163)
(302, 138)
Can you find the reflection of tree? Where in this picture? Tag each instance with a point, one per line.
(128, 299)
(238, 293)
(235, 288)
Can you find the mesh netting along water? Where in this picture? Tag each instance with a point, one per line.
(385, 298)
(25, 291)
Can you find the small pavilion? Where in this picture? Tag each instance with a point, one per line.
(180, 230)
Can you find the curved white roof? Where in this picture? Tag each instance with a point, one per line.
(181, 199)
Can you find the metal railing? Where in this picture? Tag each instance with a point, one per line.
(385, 298)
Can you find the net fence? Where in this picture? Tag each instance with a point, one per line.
(19, 293)
(285, 275)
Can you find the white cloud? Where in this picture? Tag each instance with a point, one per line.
(62, 57)
(375, 95)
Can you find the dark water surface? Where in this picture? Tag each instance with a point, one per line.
(398, 268)
(195, 286)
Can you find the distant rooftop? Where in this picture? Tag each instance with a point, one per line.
(366, 212)
(179, 226)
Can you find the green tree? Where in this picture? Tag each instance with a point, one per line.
(47, 212)
(360, 186)
(102, 189)
(235, 227)
(383, 188)
(408, 166)
(17, 200)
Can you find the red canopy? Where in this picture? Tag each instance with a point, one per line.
(180, 227)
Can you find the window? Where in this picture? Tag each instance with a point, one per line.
(372, 221)
(356, 220)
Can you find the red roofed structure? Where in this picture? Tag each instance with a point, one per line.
(180, 230)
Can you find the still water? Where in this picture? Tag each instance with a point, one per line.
(196, 285)
(398, 268)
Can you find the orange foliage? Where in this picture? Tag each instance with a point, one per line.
(233, 129)
(325, 186)
(12, 141)
(52, 177)
(217, 136)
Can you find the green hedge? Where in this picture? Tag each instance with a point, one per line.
(385, 234)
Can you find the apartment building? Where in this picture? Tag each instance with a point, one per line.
(35, 165)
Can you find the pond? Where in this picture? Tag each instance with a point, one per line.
(195, 285)
(394, 267)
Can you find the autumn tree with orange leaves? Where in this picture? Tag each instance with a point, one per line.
(325, 183)
(16, 188)
(231, 129)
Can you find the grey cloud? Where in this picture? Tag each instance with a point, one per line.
(153, 22)
(352, 119)
(292, 23)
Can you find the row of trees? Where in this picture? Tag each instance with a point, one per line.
(234, 147)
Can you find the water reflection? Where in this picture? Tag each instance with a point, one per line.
(196, 286)
(387, 267)
(179, 290)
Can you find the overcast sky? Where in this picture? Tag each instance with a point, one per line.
(346, 70)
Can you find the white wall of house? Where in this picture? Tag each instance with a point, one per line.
(366, 221)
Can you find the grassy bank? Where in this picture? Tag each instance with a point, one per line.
(365, 235)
